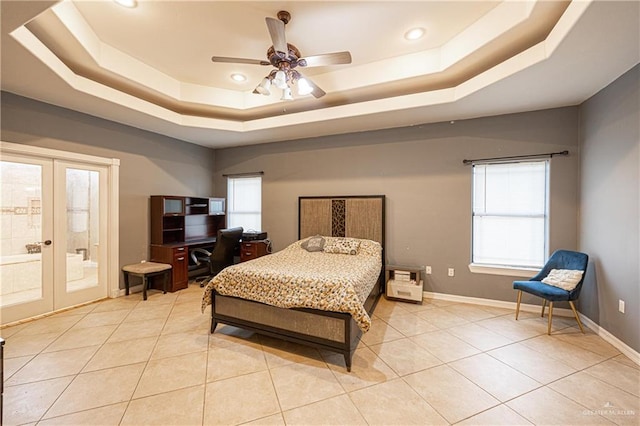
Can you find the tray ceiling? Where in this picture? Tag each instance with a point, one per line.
(150, 66)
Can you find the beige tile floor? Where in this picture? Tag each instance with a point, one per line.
(133, 362)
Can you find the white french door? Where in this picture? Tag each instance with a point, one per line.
(26, 251)
(80, 210)
(57, 249)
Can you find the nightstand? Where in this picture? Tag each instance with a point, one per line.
(254, 249)
(404, 283)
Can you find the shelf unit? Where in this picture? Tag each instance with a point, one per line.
(196, 205)
(182, 219)
(167, 219)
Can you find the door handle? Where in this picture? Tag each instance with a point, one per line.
(45, 242)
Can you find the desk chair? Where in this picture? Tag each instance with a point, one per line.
(560, 259)
(227, 245)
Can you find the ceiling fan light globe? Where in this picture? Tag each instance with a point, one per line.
(263, 91)
(304, 88)
(280, 80)
(286, 94)
(263, 87)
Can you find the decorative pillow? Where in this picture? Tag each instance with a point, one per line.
(342, 246)
(369, 248)
(312, 244)
(566, 279)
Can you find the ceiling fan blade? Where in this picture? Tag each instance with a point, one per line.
(317, 92)
(276, 31)
(325, 59)
(240, 60)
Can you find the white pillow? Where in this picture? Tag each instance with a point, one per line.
(566, 279)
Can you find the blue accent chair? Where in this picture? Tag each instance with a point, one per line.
(560, 259)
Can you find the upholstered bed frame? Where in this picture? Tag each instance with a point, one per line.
(347, 216)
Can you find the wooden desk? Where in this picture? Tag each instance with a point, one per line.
(179, 224)
(177, 255)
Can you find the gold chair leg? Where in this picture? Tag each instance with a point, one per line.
(550, 315)
(518, 304)
(544, 303)
(575, 313)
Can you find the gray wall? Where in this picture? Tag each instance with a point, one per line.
(418, 168)
(428, 188)
(149, 163)
(610, 206)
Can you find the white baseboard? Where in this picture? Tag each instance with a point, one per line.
(563, 312)
(48, 314)
(121, 292)
(608, 337)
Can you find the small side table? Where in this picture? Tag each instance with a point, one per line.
(146, 270)
(404, 283)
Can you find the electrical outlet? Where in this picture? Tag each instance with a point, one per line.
(452, 272)
(428, 270)
(621, 305)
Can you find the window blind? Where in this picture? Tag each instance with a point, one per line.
(510, 214)
(244, 202)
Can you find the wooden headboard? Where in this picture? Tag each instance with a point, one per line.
(356, 216)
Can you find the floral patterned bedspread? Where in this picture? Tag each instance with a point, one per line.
(296, 278)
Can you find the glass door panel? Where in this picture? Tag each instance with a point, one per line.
(26, 224)
(81, 192)
(83, 218)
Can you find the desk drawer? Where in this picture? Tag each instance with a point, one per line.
(252, 249)
(177, 257)
(180, 268)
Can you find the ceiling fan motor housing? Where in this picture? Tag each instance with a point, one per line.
(275, 58)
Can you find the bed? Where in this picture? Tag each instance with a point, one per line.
(334, 323)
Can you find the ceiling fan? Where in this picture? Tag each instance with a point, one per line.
(285, 57)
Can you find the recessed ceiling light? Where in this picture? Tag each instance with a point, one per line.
(127, 3)
(414, 33)
(238, 77)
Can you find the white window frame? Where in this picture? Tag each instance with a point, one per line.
(235, 210)
(504, 269)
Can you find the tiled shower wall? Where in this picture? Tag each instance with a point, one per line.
(82, 212)
(20, 195)
(20, 218)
